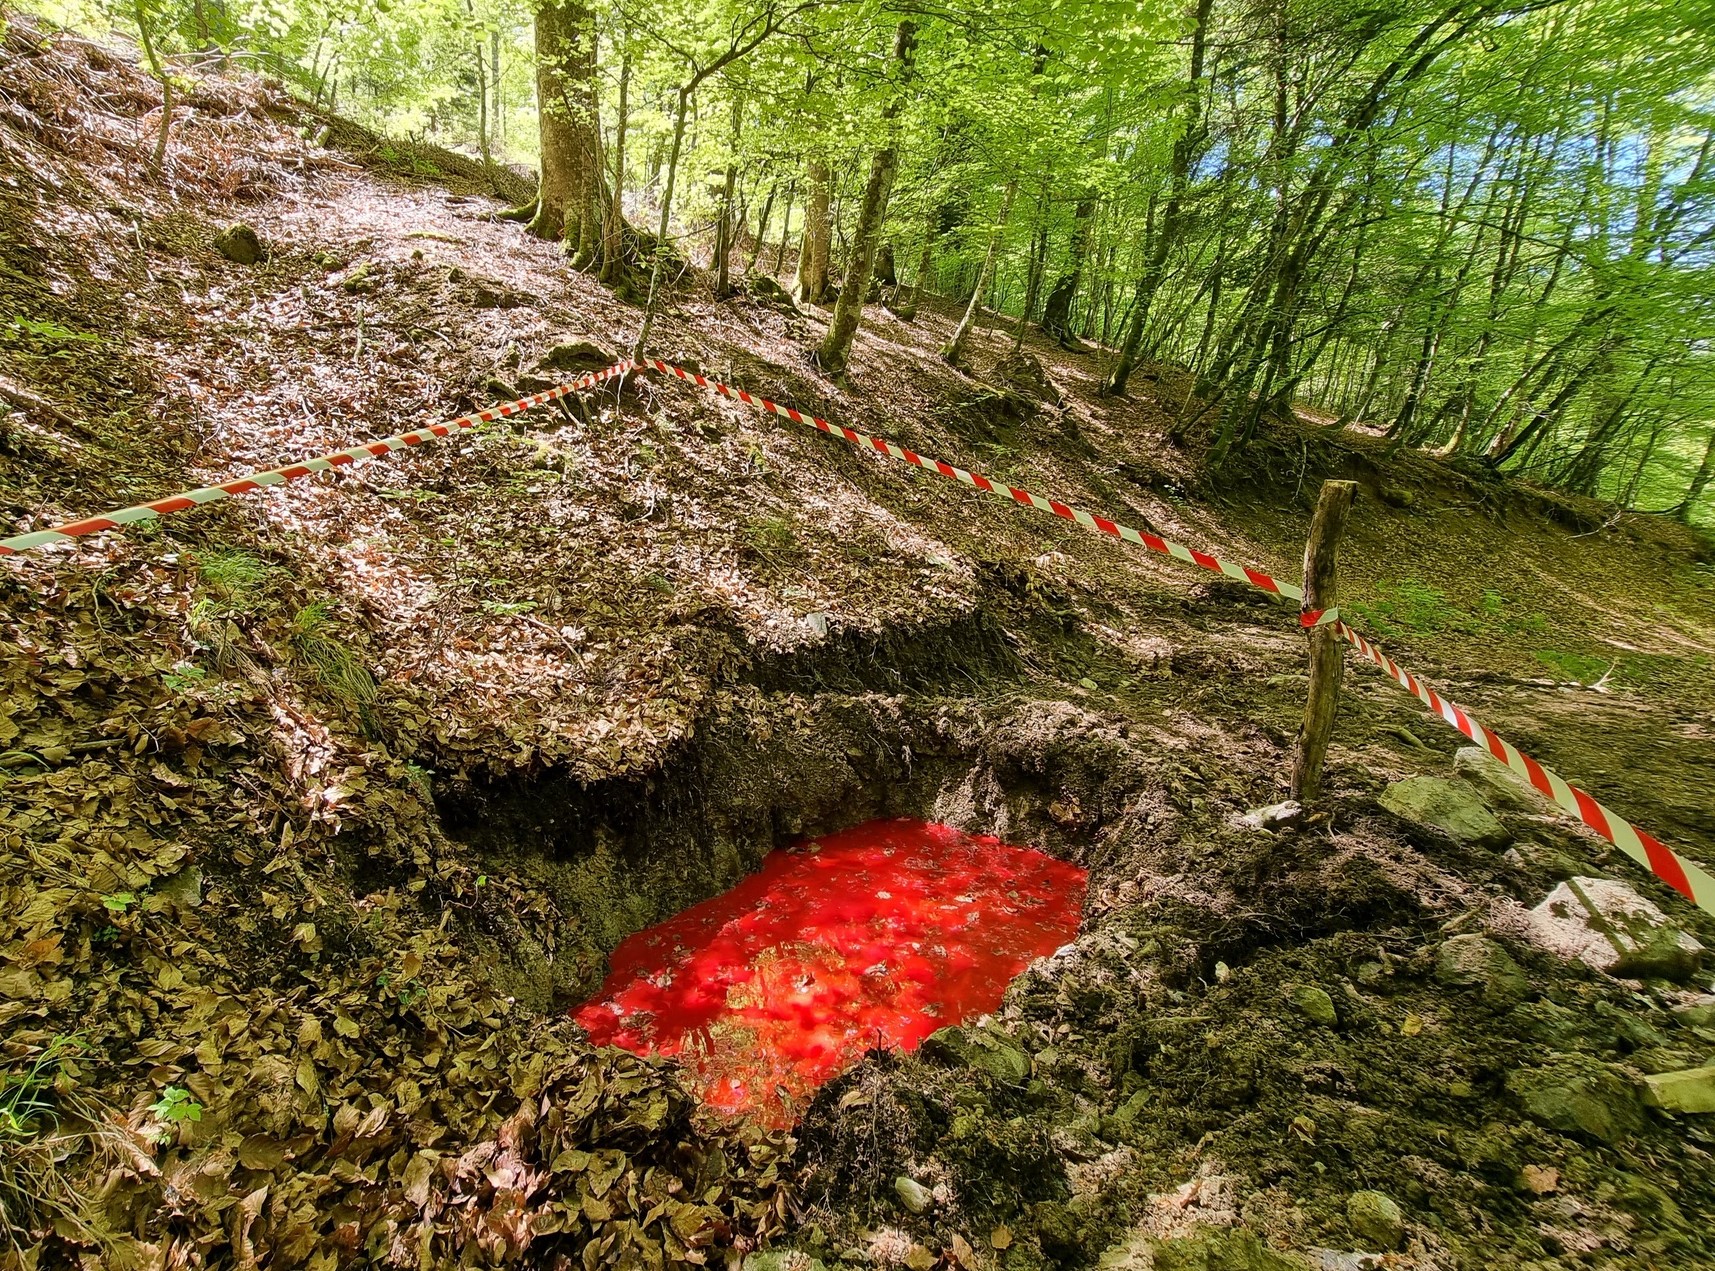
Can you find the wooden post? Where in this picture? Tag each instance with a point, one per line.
(1327, 650)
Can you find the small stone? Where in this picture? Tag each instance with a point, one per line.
(1315, 1003)
(1696, 1014)
(1276, 816)
(359, 281)
(1473, 961)
(1576, 1094)
(1088, 683)
(1669, 955)
(1500, 787)
(912, 1194)
(240, 245)
(1397, 496)
(1448, 807)
(1375, 1219)
(1688, 1090)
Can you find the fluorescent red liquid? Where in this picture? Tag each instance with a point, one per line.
(873, 937)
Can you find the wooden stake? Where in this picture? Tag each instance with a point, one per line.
(1327, 650)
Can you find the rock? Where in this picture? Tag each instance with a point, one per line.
(483, 295)
(1699, 1014)
(359, 281)
(1688, 1090)
(1473, 961)
(1397, 496)
(240, 245)
(1448, 807)
(577, 355)
(1218, 1249)
(1315, 1003)
(912, 1194)
(769, 292)
(1500, 787)
(1375, 1219)
(1653, 949)
(979, 1048)
(1669, 955)
(1576, 1094)
(1276, 816)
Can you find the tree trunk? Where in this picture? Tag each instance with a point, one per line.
(813, 246)
(835, 349)
(613, 244)
(661, 235)
(762, 226)
(1057, 313)
(1699, 482)
(724, 236)
(953, 352)
(785, 227)
(160, 73)
(570, 147)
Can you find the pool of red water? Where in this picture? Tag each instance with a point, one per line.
(873, 937)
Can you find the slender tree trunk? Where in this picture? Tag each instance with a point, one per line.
(1057, 312)
(813, 246)
(1699, 482)
(785, 228)
(953, 352)
(835, 350)
(1033, 274)
(762, 226)
(613, 245)
(160, 73)
(661, 235)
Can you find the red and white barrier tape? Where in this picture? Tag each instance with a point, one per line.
(279, 476)
(1682, 875)
(1100, 524)
(1674, 870)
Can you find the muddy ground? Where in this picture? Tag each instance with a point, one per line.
(321, 806)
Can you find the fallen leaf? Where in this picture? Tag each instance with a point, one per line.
(1541, 1179)
(1001, 1237)
(1413, 1024)
(919, 1258)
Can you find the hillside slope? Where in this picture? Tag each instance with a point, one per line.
(323, 804)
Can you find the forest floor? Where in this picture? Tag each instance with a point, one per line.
(321, 806)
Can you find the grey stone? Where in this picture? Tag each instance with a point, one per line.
(1501, 787)
(1375, 1219)
(912, 1194)
(1576, 1094)
(979, 1048)
(1476, 962)
(240, 244)
(1276, 816)
(1316, 1004)
(1449, 807)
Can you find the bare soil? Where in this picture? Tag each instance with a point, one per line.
(322, 805)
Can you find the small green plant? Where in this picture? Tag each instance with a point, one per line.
(118, 902)
(236, 578)
(335, 666)
(506, 608)
(183, 677)
(174, 1106)
(26, 1103)
(49, 332)
(421, 778)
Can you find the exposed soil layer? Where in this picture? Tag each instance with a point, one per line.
(321, 807)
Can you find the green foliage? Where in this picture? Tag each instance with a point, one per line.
(1411, 607)
(238, 580)
(43, 331)
(27, 1106)
(173, 1107)
(335, 666)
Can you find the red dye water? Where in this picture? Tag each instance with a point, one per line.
(873, 937)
